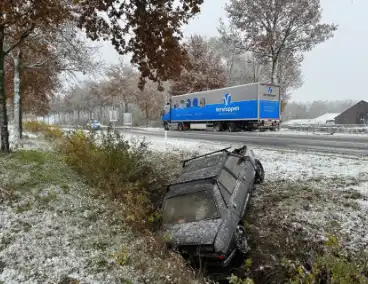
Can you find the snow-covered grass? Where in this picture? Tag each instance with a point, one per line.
(318, 120)
(279, 164)
(30, 141)
(321, 193)
(52, 228)
(285, 131)
(52, 225)
(322, 177)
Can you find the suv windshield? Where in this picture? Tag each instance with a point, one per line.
(190, 208)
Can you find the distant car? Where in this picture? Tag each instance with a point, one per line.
(203, 210)
(93, 124)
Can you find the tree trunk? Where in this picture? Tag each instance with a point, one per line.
(20, 116)
(4, 132)
(16, 99)
(274, 69)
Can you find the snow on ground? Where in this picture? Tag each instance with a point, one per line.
(321, 190)
(279, 164)
(30, 141)
(285, 131)
(52, 227)
(318, 120)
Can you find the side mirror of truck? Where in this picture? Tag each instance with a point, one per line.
(162, 113)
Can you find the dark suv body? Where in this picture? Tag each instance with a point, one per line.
(203, 209)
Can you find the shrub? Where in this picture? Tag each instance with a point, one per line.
(125, 172)
(50, 132)
(34, 126)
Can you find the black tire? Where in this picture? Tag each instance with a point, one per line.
(241, 240)
(180, 127)
(231, 127)
(217, 127)
(166, 126)
(260, 173)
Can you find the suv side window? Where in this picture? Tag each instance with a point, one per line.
(227, 180)
(233, 165)
(225, 194)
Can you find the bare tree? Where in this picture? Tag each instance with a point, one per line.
(274, 28)
(155, 46)
(122, 82)
(57, 49)
(204, 71)
(18, 20)
(150, 101)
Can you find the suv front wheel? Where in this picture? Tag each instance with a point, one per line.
(241, 240)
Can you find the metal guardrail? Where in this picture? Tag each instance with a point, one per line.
(351, 129)
(336, 128)
(102, 126)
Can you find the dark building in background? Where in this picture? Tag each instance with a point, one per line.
(357, 114)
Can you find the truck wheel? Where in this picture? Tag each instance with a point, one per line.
(231, 127)
(218, 127)
(180, 127)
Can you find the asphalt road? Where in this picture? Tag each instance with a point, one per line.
(350, 145)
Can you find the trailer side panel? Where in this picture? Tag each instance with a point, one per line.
(234, 103)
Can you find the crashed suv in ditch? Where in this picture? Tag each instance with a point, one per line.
(204, 208)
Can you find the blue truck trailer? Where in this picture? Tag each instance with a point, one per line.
(243, 107)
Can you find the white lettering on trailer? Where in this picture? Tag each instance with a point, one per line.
(227, 109)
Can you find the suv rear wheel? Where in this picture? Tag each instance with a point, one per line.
(260, 173)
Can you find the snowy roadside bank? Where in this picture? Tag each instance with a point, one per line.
(54, 230)
(279, 164)
(51, 226)
(319, 193)
(318, 189)
(283, 131)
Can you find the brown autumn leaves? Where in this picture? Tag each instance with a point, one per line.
(272, 31)
(154, 24)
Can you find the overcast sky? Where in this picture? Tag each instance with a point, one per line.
(333, 70)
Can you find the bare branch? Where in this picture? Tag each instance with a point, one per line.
(20, 40)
